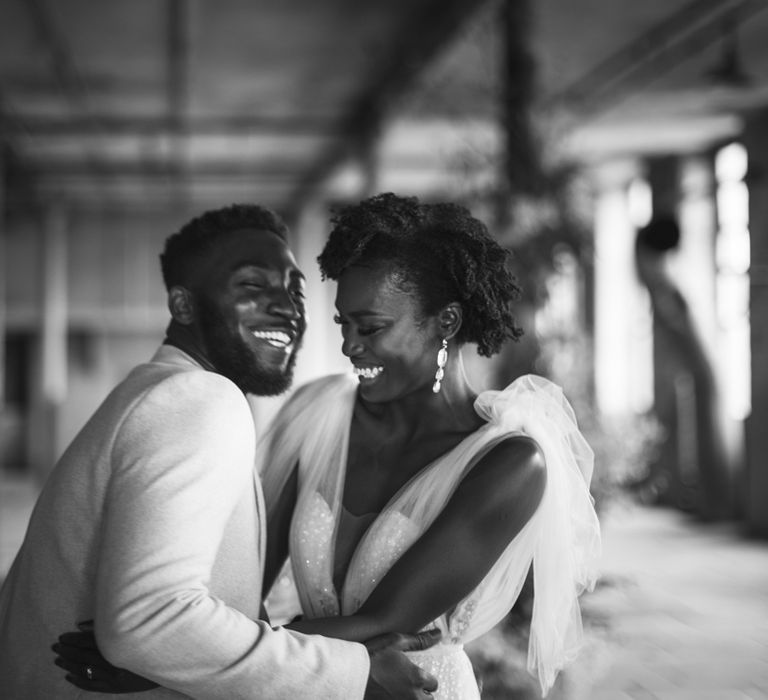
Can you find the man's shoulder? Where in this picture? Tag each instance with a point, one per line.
(191, 406)
(179, 385)
(171, 392)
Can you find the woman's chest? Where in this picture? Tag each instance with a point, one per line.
(378, 468)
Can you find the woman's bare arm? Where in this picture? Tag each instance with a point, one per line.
(489, 508)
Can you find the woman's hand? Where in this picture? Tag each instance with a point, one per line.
(78, 655)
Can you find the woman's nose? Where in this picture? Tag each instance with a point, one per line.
(351, 345)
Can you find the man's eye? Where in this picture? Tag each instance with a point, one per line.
(298, 293)
(368, 331)
(338, 320)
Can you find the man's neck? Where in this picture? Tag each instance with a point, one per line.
(183, 338)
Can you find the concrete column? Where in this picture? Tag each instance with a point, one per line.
(618, 296)
(54, 307)
(680, 277)
(52, 388)
(755, 140)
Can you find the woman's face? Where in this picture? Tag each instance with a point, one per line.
(390, 343)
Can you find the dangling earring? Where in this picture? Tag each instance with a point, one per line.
(442, 358)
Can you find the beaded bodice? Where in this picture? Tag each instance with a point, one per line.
(386, 539)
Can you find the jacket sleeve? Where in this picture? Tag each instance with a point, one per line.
(181, 462)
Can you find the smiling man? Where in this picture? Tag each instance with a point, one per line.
(152, 522)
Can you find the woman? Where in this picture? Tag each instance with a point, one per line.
(405, 499)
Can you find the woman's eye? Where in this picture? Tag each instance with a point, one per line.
(338, 320)
(368, 331)
(298, 293)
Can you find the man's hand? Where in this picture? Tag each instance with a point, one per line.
(77, 653)
(392, 675)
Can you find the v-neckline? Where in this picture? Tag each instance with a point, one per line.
(342, 480)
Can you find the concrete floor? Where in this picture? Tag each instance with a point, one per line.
(681, 611)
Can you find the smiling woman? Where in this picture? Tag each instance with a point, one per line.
(405, 499)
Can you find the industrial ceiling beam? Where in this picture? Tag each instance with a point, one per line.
(142, 126)
(684, 33)
(18, 178)
(61, 64)
(179, 44)
(424, 32)
(258, 170)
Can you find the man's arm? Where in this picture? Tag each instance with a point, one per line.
(391, 674)
(183, 463)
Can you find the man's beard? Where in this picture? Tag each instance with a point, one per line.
(232, 357)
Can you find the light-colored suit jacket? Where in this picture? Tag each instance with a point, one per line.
(152, 524)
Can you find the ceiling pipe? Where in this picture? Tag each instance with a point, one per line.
(684, 33)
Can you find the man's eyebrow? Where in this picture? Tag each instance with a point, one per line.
(247, 264)
(294, 274)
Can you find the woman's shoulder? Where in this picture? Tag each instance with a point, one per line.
(504, 488)
(517, 460)
(538, 409)
(530, 404)
(528, 390)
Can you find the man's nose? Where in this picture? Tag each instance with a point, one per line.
(284, 304)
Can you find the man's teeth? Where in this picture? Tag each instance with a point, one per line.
(277, 339)
(368, 372)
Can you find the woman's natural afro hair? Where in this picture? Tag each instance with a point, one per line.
(438, 252)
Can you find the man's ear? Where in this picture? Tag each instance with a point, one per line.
(450, 319)
(181, 305)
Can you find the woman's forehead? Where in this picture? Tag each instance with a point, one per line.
(373, 289)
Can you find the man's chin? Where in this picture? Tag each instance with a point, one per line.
(263, 382)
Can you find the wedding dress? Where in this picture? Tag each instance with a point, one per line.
(561, 540)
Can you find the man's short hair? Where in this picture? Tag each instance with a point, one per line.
(197, 238)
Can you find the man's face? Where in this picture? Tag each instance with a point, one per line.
(250, 311)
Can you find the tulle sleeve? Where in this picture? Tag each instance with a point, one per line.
(564, 533)
(308, 430)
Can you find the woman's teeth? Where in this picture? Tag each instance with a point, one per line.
(368, 372)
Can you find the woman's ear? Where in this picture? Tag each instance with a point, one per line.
(181, 305)
(450, 319)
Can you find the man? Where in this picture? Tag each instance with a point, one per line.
(152, 525)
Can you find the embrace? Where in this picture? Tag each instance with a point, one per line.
(411, 508)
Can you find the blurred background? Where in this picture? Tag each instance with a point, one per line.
(619, 149)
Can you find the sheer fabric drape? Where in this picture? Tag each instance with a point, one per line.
(561, 540)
